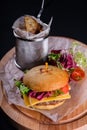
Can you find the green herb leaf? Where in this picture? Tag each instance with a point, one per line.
(17, 83)
(53, 56)
(58, 92)
(59, 65)
(24, 89)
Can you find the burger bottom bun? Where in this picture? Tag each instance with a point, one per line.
(49, 106)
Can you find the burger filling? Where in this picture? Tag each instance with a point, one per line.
(49, 103)
(51, 97)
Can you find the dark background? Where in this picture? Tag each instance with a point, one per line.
(69, 20)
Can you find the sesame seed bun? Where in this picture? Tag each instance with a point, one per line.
(41, 79)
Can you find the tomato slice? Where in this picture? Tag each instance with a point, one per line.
(77, 74)
(65, 89)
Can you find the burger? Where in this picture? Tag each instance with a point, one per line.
(44, 87)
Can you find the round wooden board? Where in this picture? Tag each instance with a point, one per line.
(78, 113)
(31, 116)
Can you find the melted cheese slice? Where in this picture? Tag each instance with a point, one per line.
(29, 101)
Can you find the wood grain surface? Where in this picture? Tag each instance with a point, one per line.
(27, 119)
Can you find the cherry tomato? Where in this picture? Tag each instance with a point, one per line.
(77, 74)
(65, 89)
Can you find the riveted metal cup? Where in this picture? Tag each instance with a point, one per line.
(30, 53)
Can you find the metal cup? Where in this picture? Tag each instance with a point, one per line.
(30, 53)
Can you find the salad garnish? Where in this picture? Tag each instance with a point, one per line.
(39, 95)
(72, 60)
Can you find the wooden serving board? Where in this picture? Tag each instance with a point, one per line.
(29, 116)
(27, 119)
(78, 113)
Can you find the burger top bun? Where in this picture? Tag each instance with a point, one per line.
(42, 79)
